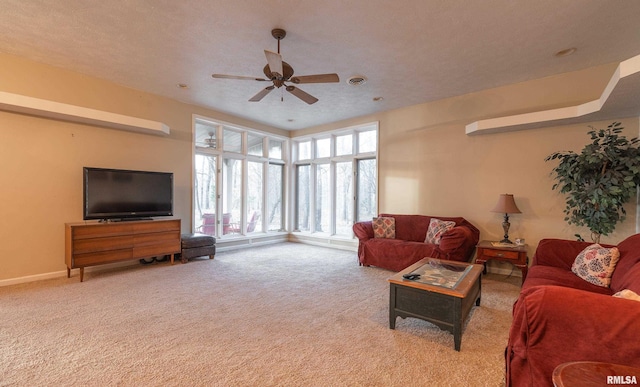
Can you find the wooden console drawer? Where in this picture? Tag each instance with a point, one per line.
(81, 246)
(101, 230)
(141, 240)
(501, 254)
(157, 226)
(90, 259)
(156, 249)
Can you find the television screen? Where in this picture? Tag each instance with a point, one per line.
(124, 194)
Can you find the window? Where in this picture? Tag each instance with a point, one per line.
(367, 141)
(344, 198)
(303, 197)
(367, 189)
(239, 184)
(323, 199)
(323, 148)
(275, 149)
(232, 141)
(254, 144)
(274, 198)
(336, 184)
(304, 150)
(254, 197)
(231, 196)
(344, 145)
(205, 194)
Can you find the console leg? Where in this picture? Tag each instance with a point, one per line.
(68, 272)
(81, 274)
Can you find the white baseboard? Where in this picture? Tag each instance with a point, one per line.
(63, 273)
(32, 278)
(331, 242)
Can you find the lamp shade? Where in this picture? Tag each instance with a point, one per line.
(506, 205)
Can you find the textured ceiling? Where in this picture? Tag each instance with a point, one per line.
(412, 51)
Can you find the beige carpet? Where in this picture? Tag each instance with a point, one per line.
(282, 315)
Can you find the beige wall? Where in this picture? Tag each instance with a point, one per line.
(41, 159)
(426, 162)
(428, 165)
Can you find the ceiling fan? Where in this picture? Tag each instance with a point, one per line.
(279, 72)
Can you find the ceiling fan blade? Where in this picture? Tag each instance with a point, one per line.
(224, 76)
(317, 78)
(306, 97)
(275, 63)
(261, 94)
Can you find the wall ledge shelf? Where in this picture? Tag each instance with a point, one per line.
(619, 99)
(22, 104)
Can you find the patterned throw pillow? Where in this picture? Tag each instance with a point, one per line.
(384, 227)
(436, 228)
(595, 264)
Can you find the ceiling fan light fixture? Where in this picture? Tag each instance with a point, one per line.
(357, 80)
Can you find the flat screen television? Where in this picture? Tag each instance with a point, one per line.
(116, 194)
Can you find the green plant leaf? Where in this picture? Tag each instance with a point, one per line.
(599, 180)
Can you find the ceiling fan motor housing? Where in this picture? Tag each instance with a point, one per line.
(286, 69)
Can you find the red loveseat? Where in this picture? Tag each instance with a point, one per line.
(560, 317)
(457, 244)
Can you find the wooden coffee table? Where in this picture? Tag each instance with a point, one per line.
(447, 306)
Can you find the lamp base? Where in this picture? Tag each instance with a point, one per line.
(505, 228)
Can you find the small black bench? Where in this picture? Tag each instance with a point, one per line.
(197, 245)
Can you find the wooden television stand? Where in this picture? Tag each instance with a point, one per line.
(89, 244)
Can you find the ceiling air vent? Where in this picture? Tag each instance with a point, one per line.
(357, 80)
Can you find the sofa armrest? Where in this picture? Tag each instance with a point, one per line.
(558, 252)
(554, 324)
(363, 230)
(458, 243)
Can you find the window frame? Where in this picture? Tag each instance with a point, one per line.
(333, 159)
(202, 123)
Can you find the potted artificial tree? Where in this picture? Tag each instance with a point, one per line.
(599, 180)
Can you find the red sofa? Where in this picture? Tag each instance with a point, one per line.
(457, 244)
(559, 317)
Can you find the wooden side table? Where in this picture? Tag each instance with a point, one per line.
(594, 374)
(517, 255)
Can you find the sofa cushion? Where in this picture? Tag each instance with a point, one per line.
(414, 227)
(384, 227)
(595, 264)
(623, 276)
(410, 227)
(540, 275)
(631, 280)
(396, 254)
(436, 228)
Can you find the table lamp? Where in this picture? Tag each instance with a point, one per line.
(506, 205)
